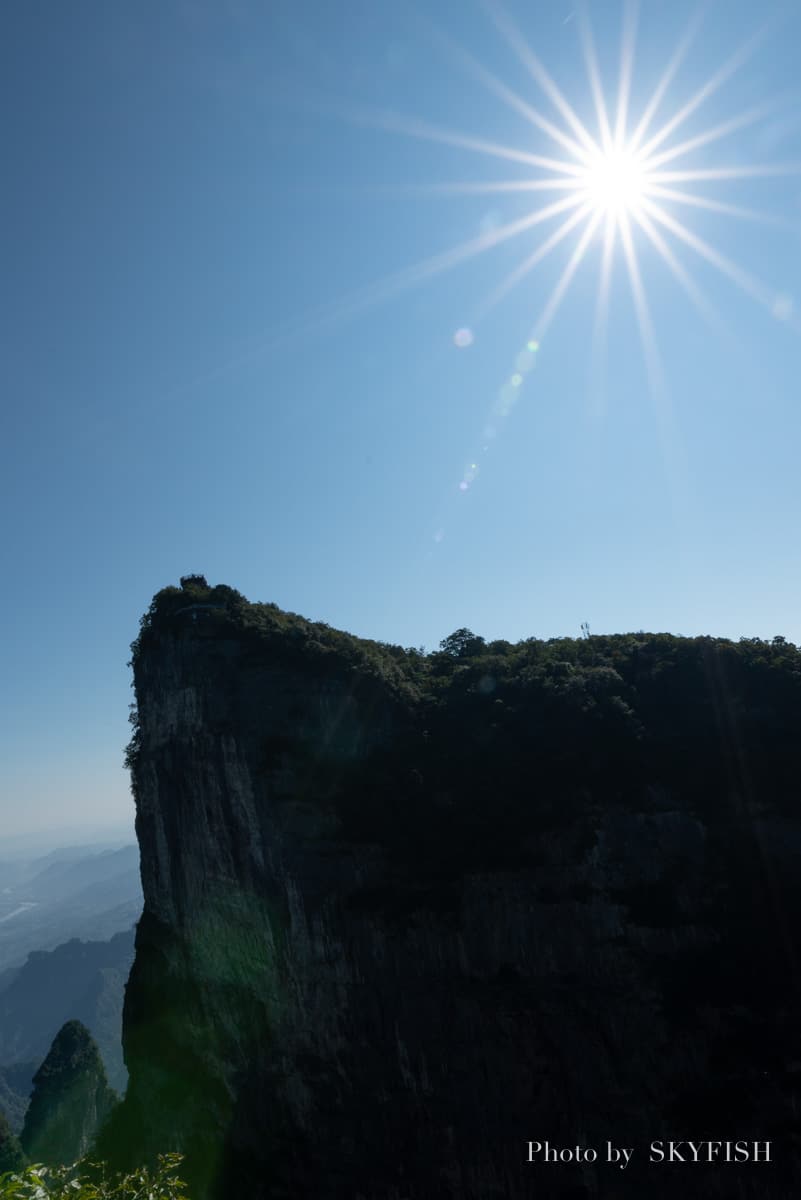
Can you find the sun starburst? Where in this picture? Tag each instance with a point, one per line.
(613, 181)
(618, 180)
(625, 177)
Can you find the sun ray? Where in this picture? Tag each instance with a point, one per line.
(725, 173)
(446, 259)
(678, 57)
(533, 260)
(626, 64)
(505, 93)
(670, 441)
(748, 283)
(701, 302)
(344, 308)
(565, 279)
(594, 75)
(395, 123)
(711, 135)
(601, 317)
(718, 206)
(480, 188)
(653, 360)
(508, 397)
(505, 402)
(716, 81)
(606, 257)
(537, 71)
(605, 278)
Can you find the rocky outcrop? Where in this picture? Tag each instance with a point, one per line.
(403, 918)
(70, 1100)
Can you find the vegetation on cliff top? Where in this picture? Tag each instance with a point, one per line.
(284, 636)
(617, 711)
(267, 625)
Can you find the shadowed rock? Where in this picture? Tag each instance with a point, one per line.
(406, 913)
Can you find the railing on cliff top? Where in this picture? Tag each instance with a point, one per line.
(195, 608)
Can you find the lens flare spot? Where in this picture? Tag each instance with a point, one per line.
(516, 380)
(532, 346)
(783, 306)
(506, 400)
(491, 221)
(463, 338)
(464, 485)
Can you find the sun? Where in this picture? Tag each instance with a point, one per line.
(615, 182)
(608, 183)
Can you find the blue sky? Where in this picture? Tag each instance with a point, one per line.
(203, 371)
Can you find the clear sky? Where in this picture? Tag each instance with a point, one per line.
(221, 352)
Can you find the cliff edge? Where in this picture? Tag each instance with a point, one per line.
(405, 914)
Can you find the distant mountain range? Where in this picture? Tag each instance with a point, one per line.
(85, 892)
(82, 981)
(39, 842)
(16, 1081)
(66, 947)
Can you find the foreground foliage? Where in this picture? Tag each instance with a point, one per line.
(90, 1181)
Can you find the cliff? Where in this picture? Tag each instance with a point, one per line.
(405, 914)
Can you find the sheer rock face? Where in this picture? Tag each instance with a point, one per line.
(70, 1100)
(314, 1013)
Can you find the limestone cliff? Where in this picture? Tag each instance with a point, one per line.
(404, 915)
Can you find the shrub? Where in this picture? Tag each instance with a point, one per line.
(90, 1181)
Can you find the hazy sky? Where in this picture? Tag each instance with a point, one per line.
(219, 354)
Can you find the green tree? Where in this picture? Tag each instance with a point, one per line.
(462, 644)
